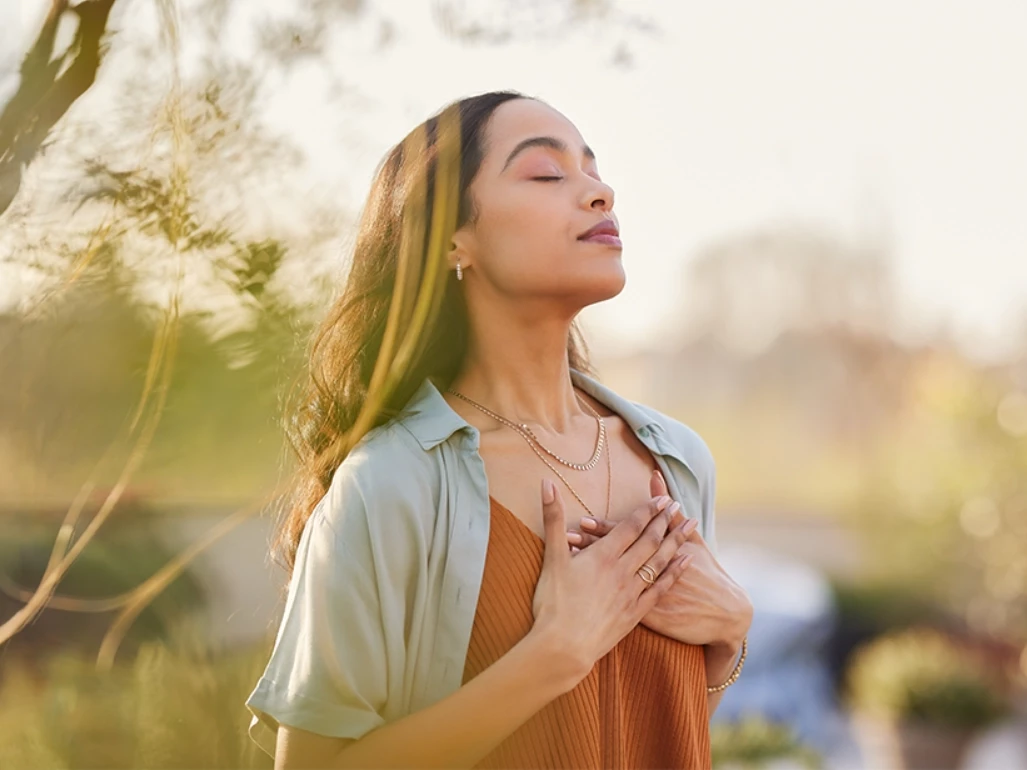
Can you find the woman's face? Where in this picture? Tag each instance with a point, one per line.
(537, 191)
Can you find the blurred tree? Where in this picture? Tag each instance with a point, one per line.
(125, 553)
(944, 506)
(789, 359)
(53, 79)
(504, 21)
(748, 289)
(50, 83)
(162, 255)
(784, 359)
(141, 230)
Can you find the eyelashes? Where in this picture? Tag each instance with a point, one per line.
(554, 178)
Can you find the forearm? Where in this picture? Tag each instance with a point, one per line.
(459, 730)
(720, 662)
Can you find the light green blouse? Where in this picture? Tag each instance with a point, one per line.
(378, 615)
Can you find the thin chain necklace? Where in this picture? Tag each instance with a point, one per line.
(532, 440)
(523, 428)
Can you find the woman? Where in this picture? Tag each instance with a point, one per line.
(440, 613)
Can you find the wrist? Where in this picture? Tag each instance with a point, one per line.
(723, 666)
(730, 643)
(725, 649)
(558, 667)
(721, 658)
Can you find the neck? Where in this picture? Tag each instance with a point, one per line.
(521, 373)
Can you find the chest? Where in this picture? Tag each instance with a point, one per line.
(515, 474)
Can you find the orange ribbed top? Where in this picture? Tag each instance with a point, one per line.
(643, 704)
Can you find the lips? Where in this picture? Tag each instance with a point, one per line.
(604, 232)
(605, 227)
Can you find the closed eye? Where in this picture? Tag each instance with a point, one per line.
(547, 178)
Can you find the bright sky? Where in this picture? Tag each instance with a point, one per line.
(740, 114)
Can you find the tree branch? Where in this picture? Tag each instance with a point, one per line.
(44, 96)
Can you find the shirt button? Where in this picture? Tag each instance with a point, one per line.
(643, 431)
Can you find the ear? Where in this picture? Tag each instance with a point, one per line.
(461, 247)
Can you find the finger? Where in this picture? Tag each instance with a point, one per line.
(672, 573)
(691, 526)
(677, 518)
(693, 533)
(581, 539)
(668, 550)
(691, 529)
(598, 527)
(553, 523)
(628, 530)
(657, 484)
(650, 540)
(651, 594)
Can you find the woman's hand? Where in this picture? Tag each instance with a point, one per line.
(705, 606)
(585, 604)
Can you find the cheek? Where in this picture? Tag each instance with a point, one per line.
(532, 226)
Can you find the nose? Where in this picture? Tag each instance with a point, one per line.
(600, 195)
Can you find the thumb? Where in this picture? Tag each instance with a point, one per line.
(554, 523)
(657, 484)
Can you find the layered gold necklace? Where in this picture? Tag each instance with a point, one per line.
(535, 445)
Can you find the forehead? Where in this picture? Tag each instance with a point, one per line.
(520, 119)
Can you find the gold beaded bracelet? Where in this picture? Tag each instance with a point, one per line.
(734, 674)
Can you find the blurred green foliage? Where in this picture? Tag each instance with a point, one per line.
(73, 378)
(753, 741)
(920, 675)
(122, 556)
(176, 705)
(943, 508)
(869, 608)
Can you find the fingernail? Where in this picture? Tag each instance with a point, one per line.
(548, 492)
(690, 524)
(573, 537)
(587, 522)
(674, 508)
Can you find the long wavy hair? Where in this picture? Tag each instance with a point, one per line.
(401, 316)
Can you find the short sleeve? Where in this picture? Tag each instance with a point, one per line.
(327, 672)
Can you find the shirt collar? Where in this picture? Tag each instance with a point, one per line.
(432, 420)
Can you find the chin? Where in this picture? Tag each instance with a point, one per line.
(605, 283)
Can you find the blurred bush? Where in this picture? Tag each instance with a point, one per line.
(125, 552)
(921, 675)
(755, 742)
(868, 609)
(919, 698)
(943, 508)
(211, 445)
(176, 705)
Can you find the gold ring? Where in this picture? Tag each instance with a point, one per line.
(650, 574)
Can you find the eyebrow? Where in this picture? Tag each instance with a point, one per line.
(545, 141)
